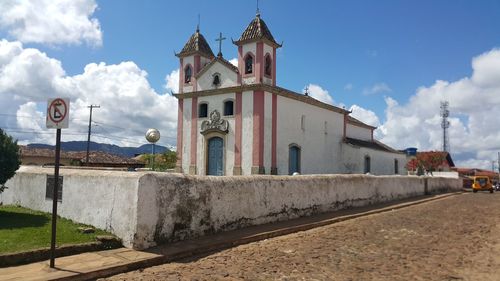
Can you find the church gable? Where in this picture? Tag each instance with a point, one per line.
(219, 73)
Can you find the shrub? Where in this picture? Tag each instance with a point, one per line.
(9, 158)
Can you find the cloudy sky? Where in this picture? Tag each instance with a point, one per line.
(390, 62)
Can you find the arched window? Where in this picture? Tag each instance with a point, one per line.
(228, 108)
(248, 64)
(187, 74)
(203, 110)
(396, 166)
(367, 164)
(268, 65)
(293, 159)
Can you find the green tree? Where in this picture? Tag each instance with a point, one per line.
(163, 161)
(170, 159)
(9, 158)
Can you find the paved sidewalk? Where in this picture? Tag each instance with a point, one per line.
(106, 263)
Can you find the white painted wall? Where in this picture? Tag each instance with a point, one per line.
(145, 209)
(321, 153)
(228, 77)
(247, 132)
(248, 80)
(250, 47)
(382, 162)
(186, 134)
(359, 133)
(187, 87)
(268, 50)
(104, 199)
(204, 61)
(216, 102)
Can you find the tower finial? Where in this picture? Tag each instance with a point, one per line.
(198, 25)
(258, 11)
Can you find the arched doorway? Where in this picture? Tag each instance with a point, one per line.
(215, 163)
(293, 159)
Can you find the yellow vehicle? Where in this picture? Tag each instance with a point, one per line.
(481, 183)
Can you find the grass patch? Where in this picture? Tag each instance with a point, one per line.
(23, 229)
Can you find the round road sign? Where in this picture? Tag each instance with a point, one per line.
(58, 113)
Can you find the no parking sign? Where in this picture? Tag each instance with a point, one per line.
(57, 113)
(57, 118)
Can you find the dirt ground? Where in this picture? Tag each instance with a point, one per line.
(457, 238)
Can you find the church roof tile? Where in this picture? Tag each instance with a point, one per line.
(377, 145)
(196, 44)
(257, 30)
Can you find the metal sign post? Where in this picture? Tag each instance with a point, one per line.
(57, 118)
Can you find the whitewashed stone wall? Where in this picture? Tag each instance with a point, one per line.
(145, 209)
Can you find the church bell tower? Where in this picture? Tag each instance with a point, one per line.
(257, 54)
(195, 54)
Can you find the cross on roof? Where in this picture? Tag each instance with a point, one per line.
(220, 44)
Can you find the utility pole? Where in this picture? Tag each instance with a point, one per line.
(90, 129)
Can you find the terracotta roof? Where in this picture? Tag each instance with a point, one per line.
(358, 123)
(196, 44)
(99, 157)
(475, 172)
(95, 157)
(256, 30)
(222, 60)
(26, 151)
(372, 144)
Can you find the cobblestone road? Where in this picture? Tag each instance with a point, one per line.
(457, 238)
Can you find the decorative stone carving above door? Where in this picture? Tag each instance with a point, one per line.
(215, 124)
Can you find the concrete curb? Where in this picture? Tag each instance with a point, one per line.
(20, 258)
(220, 245)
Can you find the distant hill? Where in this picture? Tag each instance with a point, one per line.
(110, 148)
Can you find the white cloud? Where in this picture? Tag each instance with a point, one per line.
(172, 81)
(129, 106)
(234, 61)
(348, 87)
(365, 115)
(318, 93)
(474, 132)
(377, 88)
(51, 22)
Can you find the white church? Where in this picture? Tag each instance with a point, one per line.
(237, 121)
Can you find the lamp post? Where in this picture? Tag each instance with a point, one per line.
(152, 136)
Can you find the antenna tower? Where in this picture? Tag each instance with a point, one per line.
(445, 124)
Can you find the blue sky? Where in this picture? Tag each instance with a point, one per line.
(388, 61)
(404, 44)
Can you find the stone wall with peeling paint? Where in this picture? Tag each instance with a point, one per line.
(155, 208)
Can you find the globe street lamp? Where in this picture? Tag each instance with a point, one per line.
(152, 136)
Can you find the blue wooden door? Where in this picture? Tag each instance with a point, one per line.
(294, 160)
(215, 157)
